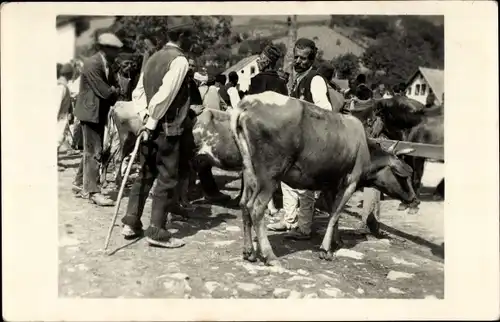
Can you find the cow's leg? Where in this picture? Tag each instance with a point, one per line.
(249, 253)
(342, 197)
(257, 213)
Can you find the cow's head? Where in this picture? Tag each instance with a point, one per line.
(389, 174)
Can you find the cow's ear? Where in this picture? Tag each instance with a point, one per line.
(400, 168)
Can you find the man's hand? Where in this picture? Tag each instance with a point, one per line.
(145, 134)
(115, 90)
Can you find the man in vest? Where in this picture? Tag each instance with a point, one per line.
(232, 91)
(165, 119)
(298, 205)
(97, 94)
(268, 79)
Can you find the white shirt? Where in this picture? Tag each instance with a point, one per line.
(105, 62)
(74, 87)
(171, 84)
(319, 91)
(234, 97)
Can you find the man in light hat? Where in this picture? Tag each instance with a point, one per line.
(96, 96)
(268, 79)
(167, 92)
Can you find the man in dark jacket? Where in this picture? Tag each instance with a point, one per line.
(268, 79)
(96, 96)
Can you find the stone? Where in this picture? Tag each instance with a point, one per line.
(71, 269)
(303, 272)
(294, 295)
(248, 287)
(68, 241)
(82, 267)
(281, 292)
(360, 291)
(332, 292)
(311, 296)
(308, 285)
(395, 290)
(300, 278)
(179, 276)
(430, 297)
(233, 228)
(401, 261)
(229, 274)
(173, 230)
(169, 284)
(211, 286)
(394, 275)
(223, 243)
(343, 252)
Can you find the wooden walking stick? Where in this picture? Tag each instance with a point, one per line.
(122, 187)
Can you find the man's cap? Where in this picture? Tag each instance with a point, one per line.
(110, 40)
(180, 23)
(272, 52)
(66, 69)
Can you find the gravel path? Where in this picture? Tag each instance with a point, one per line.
(407, 264)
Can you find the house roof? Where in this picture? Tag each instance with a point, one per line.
(327, 41)
(342, 83)
(435, 79)
(242, 63)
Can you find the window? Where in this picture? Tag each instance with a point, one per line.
(409, 91)
(417, 89)
(422, 89)
(242, 71)
(252, 70)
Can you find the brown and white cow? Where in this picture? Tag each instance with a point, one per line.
(214, 144)
(290, 140)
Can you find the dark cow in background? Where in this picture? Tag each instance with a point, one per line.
(405, 119)
(289, 140)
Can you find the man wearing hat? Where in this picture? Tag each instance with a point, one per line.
(298, 204)
(96, 96)
(268, 79)
(168, 101)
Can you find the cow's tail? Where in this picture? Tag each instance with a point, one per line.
(240, 133)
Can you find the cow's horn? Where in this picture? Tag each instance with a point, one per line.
(405, 151)
(392, 148)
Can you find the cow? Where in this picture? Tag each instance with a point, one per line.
(290, 140)
(214, 144)
(406, 119)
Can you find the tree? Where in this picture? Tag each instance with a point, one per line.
(209, 31)
(346, 66)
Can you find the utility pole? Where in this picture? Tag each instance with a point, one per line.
(292, 38)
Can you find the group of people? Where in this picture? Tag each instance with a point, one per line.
(168, 96)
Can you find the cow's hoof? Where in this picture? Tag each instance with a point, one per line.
(326, 255)
(250, 256)
(402, 206)
(413, 211)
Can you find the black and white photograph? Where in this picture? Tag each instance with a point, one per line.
(277, 155)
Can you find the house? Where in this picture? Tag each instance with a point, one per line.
(329, 41)
(246, 69)
(66, 38)
(423, 81)
(342, 83)
(73, 31)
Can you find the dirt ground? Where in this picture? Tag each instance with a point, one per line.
(409, 263)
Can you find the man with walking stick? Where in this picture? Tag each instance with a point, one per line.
(168, 100)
